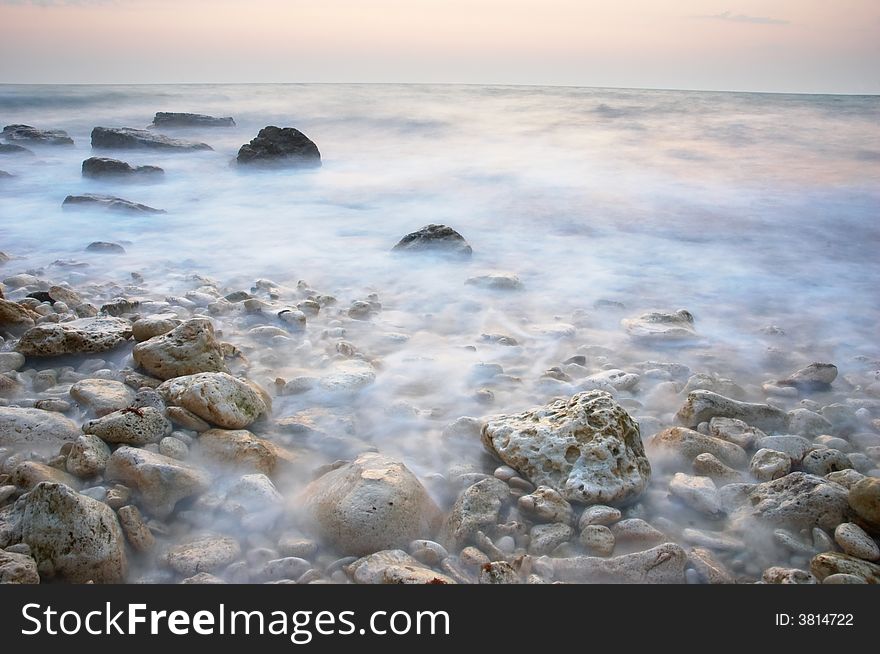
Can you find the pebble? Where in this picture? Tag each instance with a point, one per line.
(843, 578)
(699, 493)
(174, 448)
(768, 464)
(545, 538)
(823, 462)
(472, 557)
(854, 541)
(599, 514)
(597, 539)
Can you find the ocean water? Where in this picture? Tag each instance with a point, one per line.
(748, 210)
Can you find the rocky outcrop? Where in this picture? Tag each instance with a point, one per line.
(660, 326)
(107, 203)
(187, 349)
(32, 135)
(587, 448)
(280, 147)
(217, 397)
(438, 239)
(127, 138)
(371, 504)
(100, 167)
(176, 119)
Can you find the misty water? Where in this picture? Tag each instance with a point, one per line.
(750, 211)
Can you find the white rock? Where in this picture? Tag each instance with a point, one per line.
(702, 406)
(767, 465)
(620, 380)
(854, 541)
(599, 515)
(188, 349)
(217, 397)
(680, 446)
(658, 565)
(546, 505)
(699, 493)
(87, 457)
(130, 426)
(74, 337)
(38, 429)
(102, 396)
(797, 501)
(205, 553)
(661, 326)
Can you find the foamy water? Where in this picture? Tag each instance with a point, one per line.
(748, 210)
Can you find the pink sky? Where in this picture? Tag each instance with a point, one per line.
(767, 45)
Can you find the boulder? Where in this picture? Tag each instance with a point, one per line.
(71, 536)
(661, 326)
(437, 239)
(702, 406)
(242, 449)
(97, 167)
(280, 146)
(107, 203)
(370, 504)
(74, 337)
(102, 396)
(217, 397)
(35, 428)
(175, 119)
(186, 349)
(130, 426)
(32, 135)
(796, 501)
(160, 481)
(663, 564)
(587, 448)
(122, 138)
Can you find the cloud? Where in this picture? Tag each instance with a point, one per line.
(730, 17)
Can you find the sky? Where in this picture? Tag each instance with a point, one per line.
(808, 46)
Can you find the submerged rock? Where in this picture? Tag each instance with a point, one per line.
(663, 564)
(815, 377)
(112, 138)
(586, 447)
(280, 146)
(35, 428)
(108, 203)
(217, 397)
(14, 148)
(242, 449)
(683, 445)
(103, 247)
(702, 406)
(394, 567)
(106, 167)
(28, 134)
(371, 504)
(175, 119)
(72, 536)
(496, 282)
(661, 326)
(187, 349)
(435, 238)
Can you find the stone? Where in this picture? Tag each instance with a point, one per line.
(864, 499)
(146, 328)
(597, 540)
(32, 135)
(161, 482)
(546, 505)
(243, 450)
(767, 465)
(28, 474)
(587, 448)
(87, 457)
(135, 529)
(660, 326)
(289, 567)
(205, 553)
(347, 377)
(218, 398)
(186, 419)
(71, 536)
(18, 569)
(107, 203)
(13, 148)
(187, 349)
(393, 567)
(714, 383)
(796, 447)
(598, 514)
(74, 337)
(543, 539)
(680, 446)
(174, 448)
(11, 361)
(825, 461)
(35, 428)
(779, 575)
(637, 532)
(477, 507)
(709, 568)
(804, 422)
(831, 563)
(16, 319)
(103, 247)
(370, 504)
(102, 396)
(842, 578)
(496, 282)
(255, 492)
(708, 465)
(280, 146)
(854, 541)
(699, 493)
(498, 572)
(127, 138)
(103, 167)
(131, 426)
(712, 540)
(428, 552)
(175, 119)
(437, 239)
(797, 501)
(663, 564)
(294, 545)
(815, 377)
(702, 406)
(204, 578)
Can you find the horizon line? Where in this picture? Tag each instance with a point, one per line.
(496, 84)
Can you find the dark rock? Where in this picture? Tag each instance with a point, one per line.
(120, 138)
(280, 146)
(42, 296)
(174, 119)
(105, 248)
(13, 148)
(108, 202)
(29, 134)
(105, 167)
(435, 238)
(5, 175)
